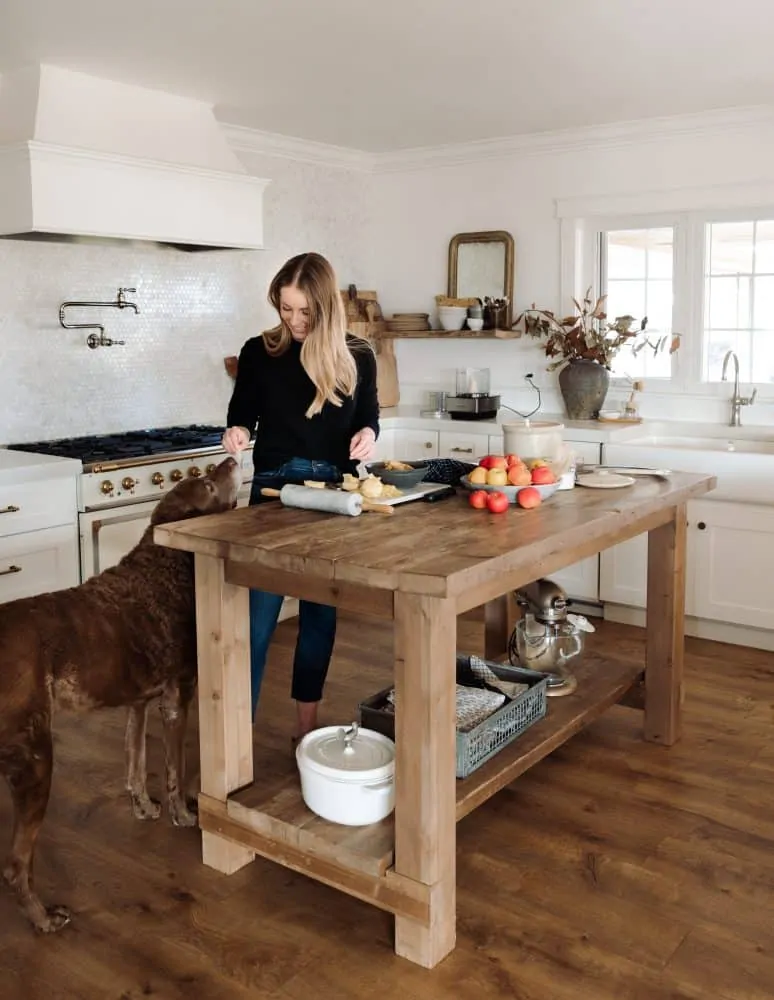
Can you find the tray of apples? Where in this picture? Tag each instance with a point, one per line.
(501, 480)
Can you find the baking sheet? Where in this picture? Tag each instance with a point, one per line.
(415, 493)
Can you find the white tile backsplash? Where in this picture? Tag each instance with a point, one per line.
(195, 308)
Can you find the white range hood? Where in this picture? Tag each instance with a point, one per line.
(82, 157)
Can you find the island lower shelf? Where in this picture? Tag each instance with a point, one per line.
(276, 824)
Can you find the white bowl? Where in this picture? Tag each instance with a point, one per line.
(546, 490)
(452, 317)
(475, 324)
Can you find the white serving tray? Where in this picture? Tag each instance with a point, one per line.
(415, 493)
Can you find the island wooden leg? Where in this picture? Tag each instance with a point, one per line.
(665, 630)
(425, 805)
(225, 726)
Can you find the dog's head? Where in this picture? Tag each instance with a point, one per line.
(210, 494)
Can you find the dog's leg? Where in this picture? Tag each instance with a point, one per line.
(175, 700)
(143, 805)
(27, 766)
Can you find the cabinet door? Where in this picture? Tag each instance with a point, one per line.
(411, 446)
(581, 580)
(37, 562)
(464, 447)
(733, 554)
(385, 448)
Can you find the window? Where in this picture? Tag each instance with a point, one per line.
(739, 299)
(636, 268)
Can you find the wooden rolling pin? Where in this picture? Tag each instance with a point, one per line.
(330, 501)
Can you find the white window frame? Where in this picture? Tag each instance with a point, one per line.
(583, 219)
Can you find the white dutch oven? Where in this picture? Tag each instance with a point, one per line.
(347, 775)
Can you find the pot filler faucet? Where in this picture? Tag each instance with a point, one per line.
(737, 401)
(94, 340)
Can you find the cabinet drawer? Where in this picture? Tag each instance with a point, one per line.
(413, 446)
(36, 562)
(31, 506)
(464, 447)
(587, 452)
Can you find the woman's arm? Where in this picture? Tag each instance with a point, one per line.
(245, 407)
(367, 403)
(365, 422)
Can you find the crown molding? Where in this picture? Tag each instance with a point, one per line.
(609, 136)
(577, 139)
(248, 140)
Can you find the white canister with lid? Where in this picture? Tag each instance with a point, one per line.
(347, 774)
(530, 439)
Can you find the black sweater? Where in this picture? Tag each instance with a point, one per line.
(276, 392)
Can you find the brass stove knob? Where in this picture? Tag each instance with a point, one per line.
(210, 468)
(106, 486)
(194, 472)
(176, 475)
(128, 483)
(157, 478)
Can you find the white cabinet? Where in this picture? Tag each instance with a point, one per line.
(36, 562)
(581, 580)
(731, 549)
(410, 446)
(730, 552)
(38, 537)
(465, 447)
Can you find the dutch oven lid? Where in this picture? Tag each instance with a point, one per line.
(353, 749)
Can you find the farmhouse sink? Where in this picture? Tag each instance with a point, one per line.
(742, 458)
(728, 443)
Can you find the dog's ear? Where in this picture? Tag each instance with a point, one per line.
(191, 498)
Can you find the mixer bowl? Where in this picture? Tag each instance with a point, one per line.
(548, 647)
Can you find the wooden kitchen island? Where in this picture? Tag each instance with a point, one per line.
(421, 568)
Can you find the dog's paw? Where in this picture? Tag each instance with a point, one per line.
(144, 807)
(181, 815)
(55, 919)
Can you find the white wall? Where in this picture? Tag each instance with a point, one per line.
(417, 211)
(195, 309)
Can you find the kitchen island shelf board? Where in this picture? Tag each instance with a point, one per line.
(434, 563)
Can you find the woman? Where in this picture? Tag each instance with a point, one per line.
(311, 388)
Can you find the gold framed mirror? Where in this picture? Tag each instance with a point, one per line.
(482, 264)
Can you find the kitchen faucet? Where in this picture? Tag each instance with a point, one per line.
(737, 401)
(94, 340)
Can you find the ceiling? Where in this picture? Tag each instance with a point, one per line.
(385, 76)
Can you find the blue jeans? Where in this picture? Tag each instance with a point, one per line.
(316, 622)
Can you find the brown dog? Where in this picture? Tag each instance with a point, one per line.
(121, 638)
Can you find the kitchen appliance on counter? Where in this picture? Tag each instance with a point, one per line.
(435, 405)
(547, 638)
(472, 400)
(125, 475)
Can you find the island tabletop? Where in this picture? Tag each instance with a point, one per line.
(420, 568)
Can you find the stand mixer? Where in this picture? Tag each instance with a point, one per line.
(547, 639)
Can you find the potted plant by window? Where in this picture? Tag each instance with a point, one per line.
(584, 346)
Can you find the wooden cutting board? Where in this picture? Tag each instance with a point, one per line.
(365, 319)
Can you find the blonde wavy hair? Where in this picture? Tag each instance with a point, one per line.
(325, 354)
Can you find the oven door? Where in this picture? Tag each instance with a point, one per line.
(107, 535)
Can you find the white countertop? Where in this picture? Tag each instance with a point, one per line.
(409, 418)
(24, 467)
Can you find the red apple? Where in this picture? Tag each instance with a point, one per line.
(497, 502)
(498, 462)
(477, 499)
(486, 462)
(512, 460)
(542, 476)
(528, 497)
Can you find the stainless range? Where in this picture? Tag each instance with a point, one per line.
(126, 474)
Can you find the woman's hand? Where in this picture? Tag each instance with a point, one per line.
(236, 439)
(362, 445)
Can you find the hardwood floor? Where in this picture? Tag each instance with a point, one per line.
(612, 869)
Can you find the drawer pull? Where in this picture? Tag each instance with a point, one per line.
(462, 451)
(428, 444)
(11, 569)
(10, 509)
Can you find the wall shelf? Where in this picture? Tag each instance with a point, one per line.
(448, 334)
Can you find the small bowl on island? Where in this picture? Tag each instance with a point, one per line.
(404, 475)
